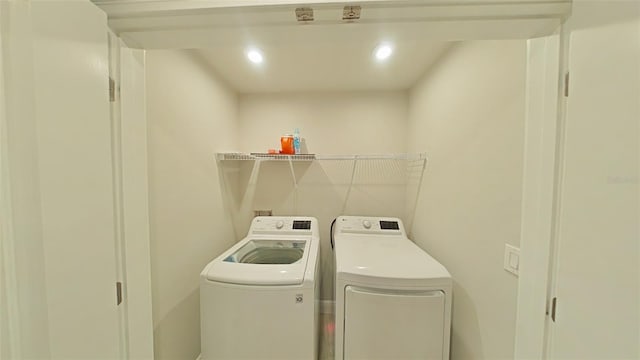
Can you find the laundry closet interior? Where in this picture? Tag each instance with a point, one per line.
(433, 134)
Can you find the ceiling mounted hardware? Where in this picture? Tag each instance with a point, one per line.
(351, 13)
(304, 14)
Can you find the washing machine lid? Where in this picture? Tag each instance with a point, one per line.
(384, 260)
(260, 261)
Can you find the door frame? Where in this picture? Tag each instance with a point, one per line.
(546, 64)
(129, 158)
(9, 335)
(135, 261)
(543, 149)
(137, 329)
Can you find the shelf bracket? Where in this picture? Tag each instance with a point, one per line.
(295, 186)
(353, 176)
(423, 166)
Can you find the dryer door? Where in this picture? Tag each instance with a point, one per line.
(393, 325)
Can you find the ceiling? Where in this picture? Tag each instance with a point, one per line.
(335, 66)
(328, 53)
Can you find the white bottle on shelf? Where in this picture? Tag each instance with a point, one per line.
(296, 141)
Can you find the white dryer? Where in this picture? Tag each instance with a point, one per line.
(393, 300)
(259, 299)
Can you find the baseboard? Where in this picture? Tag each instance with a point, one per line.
(327, 306)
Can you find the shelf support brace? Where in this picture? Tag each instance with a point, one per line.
(295, 186)
(353, 176)
(412, 214)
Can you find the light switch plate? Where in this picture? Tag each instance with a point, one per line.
(512, 259)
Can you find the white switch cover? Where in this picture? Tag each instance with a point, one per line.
(511, 259)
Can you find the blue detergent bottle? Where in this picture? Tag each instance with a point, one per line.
(296, 141)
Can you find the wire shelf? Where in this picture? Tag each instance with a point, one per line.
(349, 178)
(311, 157)
(264, 156)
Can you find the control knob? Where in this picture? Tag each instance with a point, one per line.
(279, 224)
(366, 224)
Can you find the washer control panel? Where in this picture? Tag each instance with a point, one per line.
(369, 225)
(284, 225)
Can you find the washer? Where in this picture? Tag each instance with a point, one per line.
(259, 299)
(393, 300)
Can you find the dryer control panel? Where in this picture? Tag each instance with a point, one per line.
(369, 226)
(284, 225)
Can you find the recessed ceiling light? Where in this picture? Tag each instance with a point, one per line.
(255, 56)
(383, 51)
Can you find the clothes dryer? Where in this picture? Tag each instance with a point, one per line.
(393, 300)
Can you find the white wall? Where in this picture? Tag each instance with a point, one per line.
(191, 115)
(467, 114)
(330, 123)
(22, 244)
(57, 193)
(74, 144)
(597, 281)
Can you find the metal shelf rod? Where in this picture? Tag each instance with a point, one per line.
(311, 157)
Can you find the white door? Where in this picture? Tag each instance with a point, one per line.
(76, 178)
(598, 273)
(379, 325)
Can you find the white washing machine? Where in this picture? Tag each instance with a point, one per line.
(259, 299)
(393, 300)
